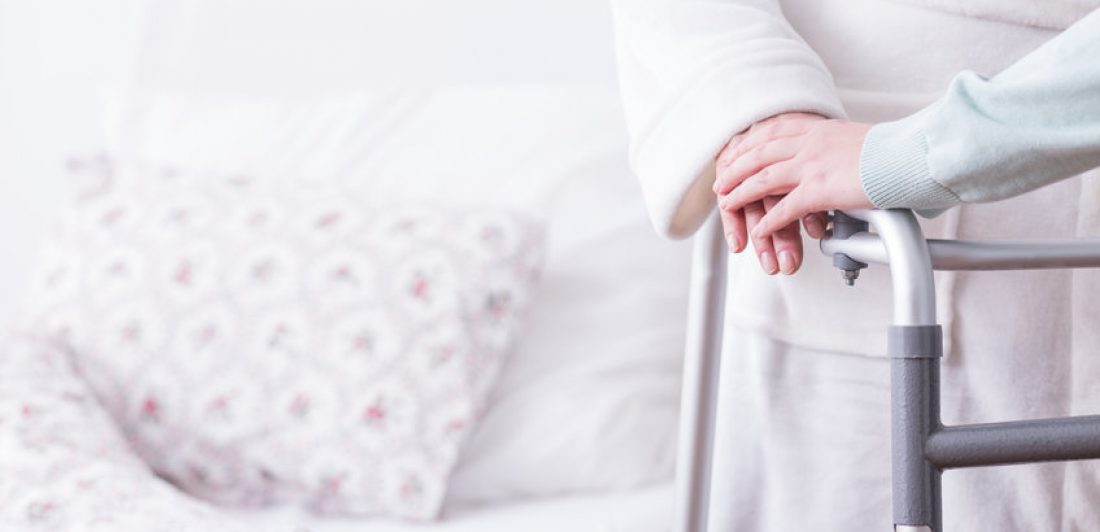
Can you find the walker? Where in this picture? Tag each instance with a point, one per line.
(922, 446)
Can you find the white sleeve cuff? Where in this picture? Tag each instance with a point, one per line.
(676, 160)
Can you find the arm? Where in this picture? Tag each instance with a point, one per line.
(1035, 123)
(695, 73)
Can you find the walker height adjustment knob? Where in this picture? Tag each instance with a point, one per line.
(845, 226)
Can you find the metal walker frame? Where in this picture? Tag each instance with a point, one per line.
(922, 446)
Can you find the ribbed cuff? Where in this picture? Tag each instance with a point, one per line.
(893, 168)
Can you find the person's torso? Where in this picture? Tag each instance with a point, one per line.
(889, 59)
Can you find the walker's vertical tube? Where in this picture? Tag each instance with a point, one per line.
(700, 388)
(916, 344)
(916, 482)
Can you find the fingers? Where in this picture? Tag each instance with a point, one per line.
(748, 163)
(729, 151)
(775, 180)
(815, 224)
(765, 252)
(733, 226)
(778, 250)
(761, 133)
(787, 241)
(788, 210)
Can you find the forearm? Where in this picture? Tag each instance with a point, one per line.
(696, 72)
(1035, 123)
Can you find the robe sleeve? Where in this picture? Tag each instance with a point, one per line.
(693, 74)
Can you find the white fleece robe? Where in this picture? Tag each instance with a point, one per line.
(805, 385)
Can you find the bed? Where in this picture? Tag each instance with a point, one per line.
(494, 100)
(644, 510)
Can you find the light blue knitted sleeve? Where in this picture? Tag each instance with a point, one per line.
(1035, 123)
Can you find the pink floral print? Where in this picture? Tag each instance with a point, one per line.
(260, 345)
(66, 466)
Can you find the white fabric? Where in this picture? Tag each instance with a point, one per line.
(57, 438)
(66, 464)
(625, 408)
(888, 59)
(809, 430)
(644, 510)
(1054, 15)
(261, 342)
(589, 399)
(693, 72)
(279, 47)
(804, 440)
(1020, 345)
(696, 72)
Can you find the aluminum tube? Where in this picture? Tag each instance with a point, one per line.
(864, 247)
(974, 255)
(910, 264)
(1014, 255)
(699, 397)
(1017, 442)
(914, 381)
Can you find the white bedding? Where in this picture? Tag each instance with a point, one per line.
(67, 467)
(621, 405)
(647, 510)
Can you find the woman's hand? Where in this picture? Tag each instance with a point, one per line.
(782, 250)
(811, 165)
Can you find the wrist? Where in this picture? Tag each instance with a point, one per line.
(894, 171)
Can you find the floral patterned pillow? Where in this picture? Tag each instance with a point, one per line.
(66, 467)
(260, 341)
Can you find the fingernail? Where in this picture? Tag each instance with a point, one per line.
(767, 261)
(786, 262)
(738, 245)
(815, 227)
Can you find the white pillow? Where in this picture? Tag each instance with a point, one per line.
(260, 343)
(589, 399)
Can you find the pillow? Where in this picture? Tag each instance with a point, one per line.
(65, 465)
(603, 346)
(260, 341)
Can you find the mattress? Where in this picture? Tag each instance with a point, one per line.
(646, 510)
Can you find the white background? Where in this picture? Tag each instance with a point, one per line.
(59, 59)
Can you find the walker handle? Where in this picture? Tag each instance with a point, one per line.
(864, 247)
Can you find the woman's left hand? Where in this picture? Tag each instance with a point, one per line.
(812, 164)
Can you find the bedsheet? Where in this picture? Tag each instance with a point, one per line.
(644, 510)
(66, 467)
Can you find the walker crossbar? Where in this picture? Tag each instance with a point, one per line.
(1016, 442)
(978, 255)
